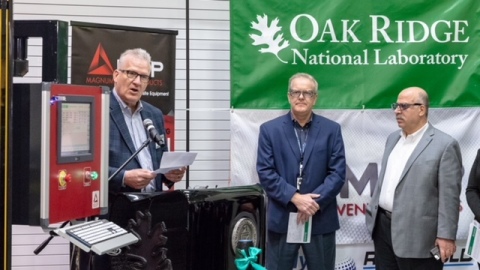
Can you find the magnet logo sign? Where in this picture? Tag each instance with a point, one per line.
(100, 64)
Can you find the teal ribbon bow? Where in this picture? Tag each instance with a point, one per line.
(243, 263)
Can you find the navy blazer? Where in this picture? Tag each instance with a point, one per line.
(121, 145)
(278, 161)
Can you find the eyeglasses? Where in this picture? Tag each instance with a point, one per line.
(133, 75)
(404, 106)
(306, 94)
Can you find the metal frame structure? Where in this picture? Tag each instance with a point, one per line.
(5, 91)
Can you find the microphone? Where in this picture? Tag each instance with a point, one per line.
(159, 139)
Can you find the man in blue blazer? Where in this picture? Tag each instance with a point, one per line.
(415, 205)
(127, 132)
(301, 166)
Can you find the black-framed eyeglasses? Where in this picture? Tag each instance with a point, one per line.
(133, 75)
(404, 106)
(298, 93)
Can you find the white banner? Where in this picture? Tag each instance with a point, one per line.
(362, 256)
(364, 134)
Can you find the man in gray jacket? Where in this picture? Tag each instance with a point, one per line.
(415, 205)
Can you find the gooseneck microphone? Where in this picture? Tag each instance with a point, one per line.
(152, 131)
(159, 139)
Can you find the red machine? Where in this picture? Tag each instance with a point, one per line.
(74, 149)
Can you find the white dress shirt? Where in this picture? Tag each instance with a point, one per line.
(139, 136)
(396, 164)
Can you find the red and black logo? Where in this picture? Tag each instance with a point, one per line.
(100, 64)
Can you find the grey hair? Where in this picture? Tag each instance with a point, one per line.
(306, 76)
(137, 53)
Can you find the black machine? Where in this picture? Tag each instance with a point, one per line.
(193, 229)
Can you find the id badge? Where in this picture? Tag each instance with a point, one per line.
(299, 182)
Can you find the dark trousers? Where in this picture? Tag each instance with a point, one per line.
(385, 258)
(319, 253)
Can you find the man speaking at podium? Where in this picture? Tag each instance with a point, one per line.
(129, 120)
(128, 115)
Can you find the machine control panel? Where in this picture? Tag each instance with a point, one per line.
(74, 150)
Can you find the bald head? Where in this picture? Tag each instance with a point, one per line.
(418, 94)
(415, 115)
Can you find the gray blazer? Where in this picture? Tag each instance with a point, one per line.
(427, 198)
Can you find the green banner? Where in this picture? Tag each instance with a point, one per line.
(362, 53)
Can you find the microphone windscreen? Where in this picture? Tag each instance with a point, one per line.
(147, 122)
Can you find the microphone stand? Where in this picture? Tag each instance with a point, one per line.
(144, 144)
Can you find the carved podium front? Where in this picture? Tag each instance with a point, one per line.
(192, 229)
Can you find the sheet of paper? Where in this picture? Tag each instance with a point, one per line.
(175, 160)
(472, 247)
(298, 233)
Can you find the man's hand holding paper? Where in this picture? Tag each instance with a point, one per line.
(176, 175)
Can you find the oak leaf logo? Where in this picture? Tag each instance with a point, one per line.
(269, 36)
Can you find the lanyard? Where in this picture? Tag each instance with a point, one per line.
(301, 146)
